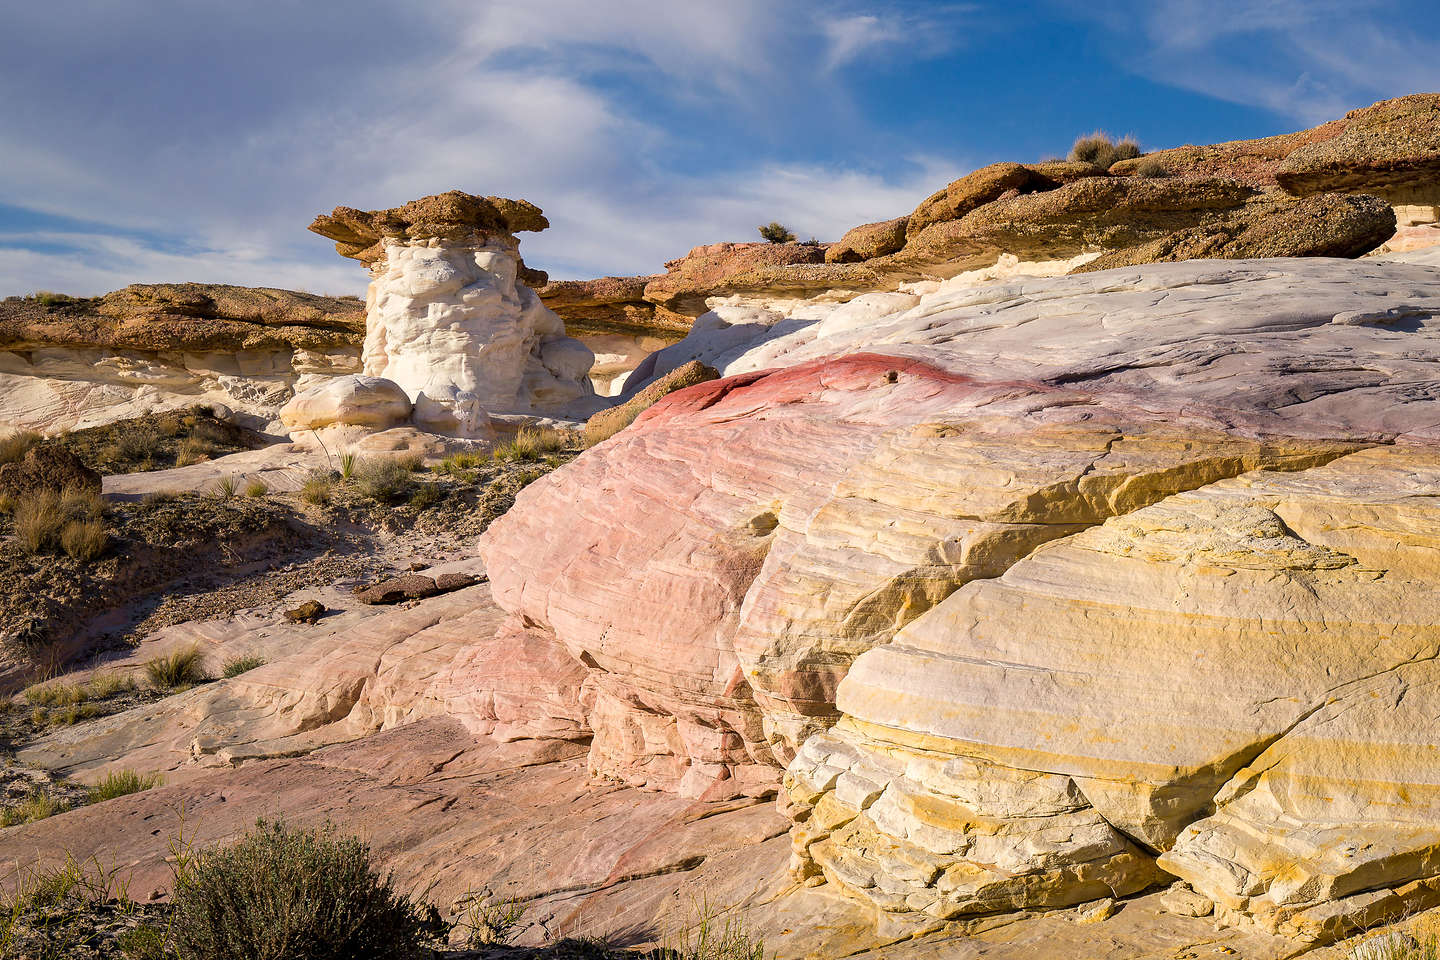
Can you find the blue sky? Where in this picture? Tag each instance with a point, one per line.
(195, 139)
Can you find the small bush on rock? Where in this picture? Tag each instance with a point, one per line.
(183, 668)
(384, 481)
(317, 489)
(1098, 148)
(122, 783)
(257, 488)
(238, 665)
(287, 892)
(776, 232)
(84, 540)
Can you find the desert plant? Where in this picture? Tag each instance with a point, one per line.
(38, 520)
(348, 461)
(289, 892)
(426, 495)
(14, 446)
(385, 480)
(713, 935)
(77, 503)
(1395, 945)
(776, 232)
(103, 686)
(317, 489)
(37, 805)
(238, 665)
(257, 488)
(177, 670)
(1151, 168)
(192, 450)
(122, 783)
(50, 298)
(1102, 150)
(84, 540)
(532, 443)
(489, 924)
(225, 488)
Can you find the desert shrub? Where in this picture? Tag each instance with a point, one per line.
(177, 670)
(160, 498)
(776, 232)
(225, 488)
(1103, 151)
(257, 488)
(137, 445)
(37, 805)
(348, 461)
(460, 464)
(73, 714)
(103, 686)
(317, 489)
(14, 446)
(532, 443)
(54, 694)
(426, 495)
(79, 504)
(714, 935)
(1151, 168)
(84, 540)
(489, 924)
(50, 298)
(122, 783)
(238, 665)
(38, 520)
(287, 892)
(192, 450)
(1395, 945)
(384, 480)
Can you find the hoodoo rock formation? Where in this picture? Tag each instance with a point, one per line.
(450, 317)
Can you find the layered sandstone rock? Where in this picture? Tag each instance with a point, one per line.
(73, 363)
(704, 271)
(449, 317)
(1048, 717)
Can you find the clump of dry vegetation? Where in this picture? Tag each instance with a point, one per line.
(176, 671)
(122, 783)
(14, 446)
(1151, 168)
(158, 441)
(1102, 150)
(776, 232)
(72, 522)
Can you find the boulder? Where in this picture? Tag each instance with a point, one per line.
(413, 586)
(453, 217)
(973, 191)
(1323, 225)
(47, 466)
(353, 401)
(868, 241)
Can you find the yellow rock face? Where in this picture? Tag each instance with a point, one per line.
(1264, 646)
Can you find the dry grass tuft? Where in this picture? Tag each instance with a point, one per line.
(317, 489)
(532, 443)
(15, 445)
(176, 671)
(122, 783)
(84, 540)
(1102, 150)
(257, 488)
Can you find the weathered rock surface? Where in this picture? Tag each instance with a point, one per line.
(1391, 148)
(703, 271)
(343, 408)
(612, 317)
(1322, 225)
(607, 423)
(868, 241)
(964, 531)
(449, 317)
(85, 362)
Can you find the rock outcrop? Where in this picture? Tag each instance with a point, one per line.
(49, 467)
(68, 363)
(612, 317)
(449, 317)
(1030, 583)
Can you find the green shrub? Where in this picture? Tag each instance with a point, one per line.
(284, 892)
(15, 445)
(1103, 151)
(714, 935)
(238, 665)
(489, 924)
(348, 460)
(176, 671)
(776, 232)
(122, 783)
(426, 495)
(51, 299)
(257, 488)
(532, 443)
(384, 481)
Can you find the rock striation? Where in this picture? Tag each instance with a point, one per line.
(1041, 591)
(69, 363)
(450, 317)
